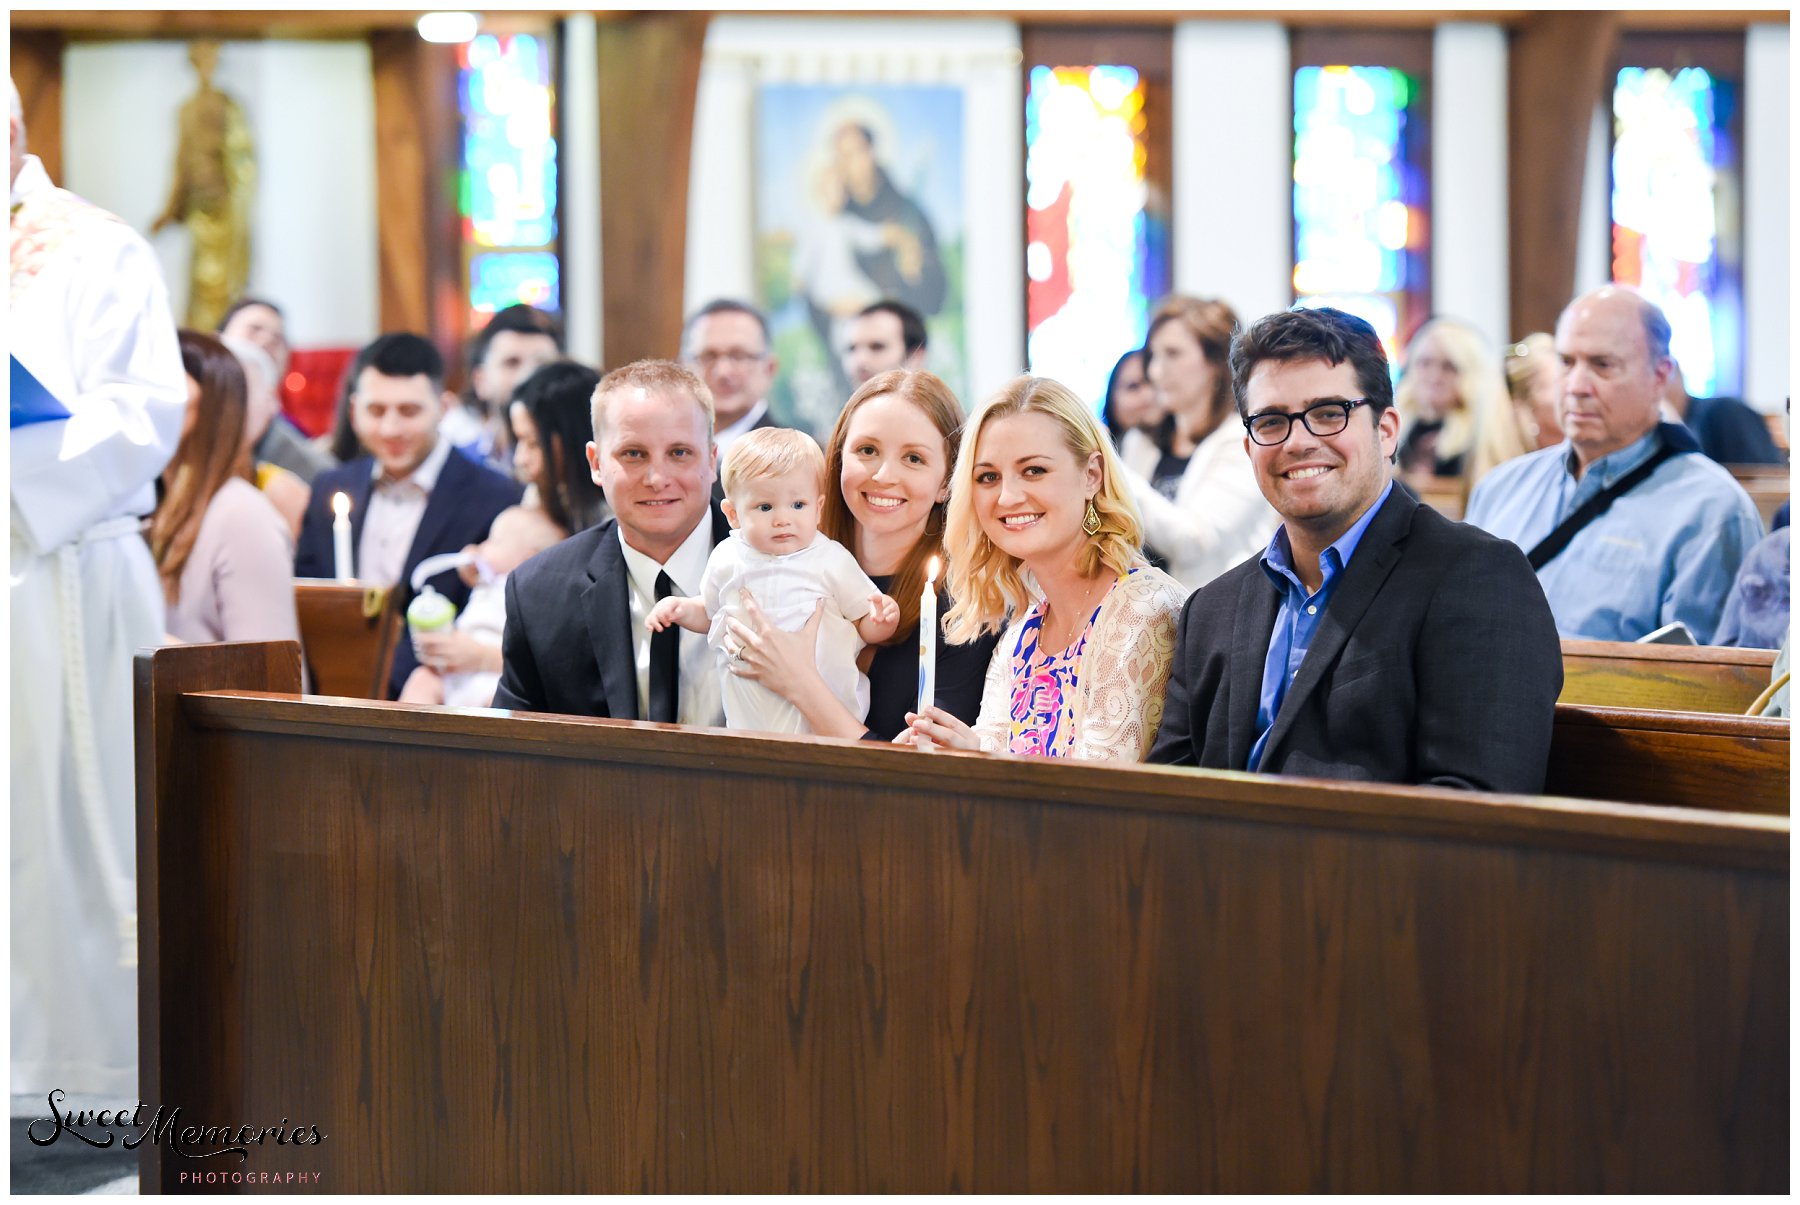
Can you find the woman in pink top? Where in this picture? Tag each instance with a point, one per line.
(225, 555)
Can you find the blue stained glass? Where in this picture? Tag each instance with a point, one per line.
(1670, 153)
(1355, 194)
(507, 186)
(498, 279)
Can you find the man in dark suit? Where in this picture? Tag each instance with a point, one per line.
(415, 496)
(1373, 639)
(575, 640)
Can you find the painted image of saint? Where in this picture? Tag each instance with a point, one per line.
(878, 181)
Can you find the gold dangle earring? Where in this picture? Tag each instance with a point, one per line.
(1090, 522)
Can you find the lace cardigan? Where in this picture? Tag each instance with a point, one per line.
(1122, 674)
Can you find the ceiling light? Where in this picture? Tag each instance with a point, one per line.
(448, 27)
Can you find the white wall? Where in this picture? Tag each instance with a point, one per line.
(1469, 261)
(311, 110)
(982, 56)
(1767, 256)
(1593, 239)
(1234, 182)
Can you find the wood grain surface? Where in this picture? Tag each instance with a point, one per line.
(349, 652)
(489, 953)
(1670, 677)
(1684, 759)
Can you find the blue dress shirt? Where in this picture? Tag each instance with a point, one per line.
(1668, 550)
(1299, 615)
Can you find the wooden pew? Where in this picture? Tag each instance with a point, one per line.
(487, 953)
(1671, 677)
(1444, 495)
(348, 631)
(1767, 485)
(1672, 758)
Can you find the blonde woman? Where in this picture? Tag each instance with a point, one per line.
(1534, 378)
(1042, 531)
(1458, 415)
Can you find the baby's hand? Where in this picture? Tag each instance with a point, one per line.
(664, 614)
(883, 619)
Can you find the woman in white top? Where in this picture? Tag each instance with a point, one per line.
(1041, 532)
(1216, 517)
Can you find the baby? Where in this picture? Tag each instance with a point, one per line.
(518, 534)
(774, 490)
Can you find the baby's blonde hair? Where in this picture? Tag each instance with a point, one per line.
(771, 452)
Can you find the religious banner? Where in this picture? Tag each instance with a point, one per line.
(859, 198)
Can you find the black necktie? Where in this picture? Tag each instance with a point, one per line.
(665, 662)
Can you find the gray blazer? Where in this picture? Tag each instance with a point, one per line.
(1437, 662)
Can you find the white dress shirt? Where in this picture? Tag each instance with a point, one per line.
(725, 436)
(699, 702)
(395, 508)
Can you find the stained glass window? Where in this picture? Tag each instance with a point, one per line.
(1359, 201)
(1095, 254)
(1672, 159)
(507, 186)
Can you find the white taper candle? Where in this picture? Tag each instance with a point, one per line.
(342, 561)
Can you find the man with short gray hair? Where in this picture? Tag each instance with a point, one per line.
(1628, 531)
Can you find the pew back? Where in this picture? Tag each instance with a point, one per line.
(1604, 673)
(348, 632)
(487, 954)
(1767, 485)
(1670, 758)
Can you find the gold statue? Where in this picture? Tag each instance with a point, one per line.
(215, 178)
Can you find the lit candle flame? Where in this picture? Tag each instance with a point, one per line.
(340, 504)
(931, 567)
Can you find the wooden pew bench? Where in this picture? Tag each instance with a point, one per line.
(1671, 758)
(486, 953)
(1671, 677)
(1767, 485)
(348, 631)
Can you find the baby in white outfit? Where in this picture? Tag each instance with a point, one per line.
(518, 534)
(774, 490)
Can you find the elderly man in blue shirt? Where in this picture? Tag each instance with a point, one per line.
(1628, 527)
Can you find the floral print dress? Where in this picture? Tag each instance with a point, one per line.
(1043, 706)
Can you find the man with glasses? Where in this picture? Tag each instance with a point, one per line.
(1372, 639)
(727, 343)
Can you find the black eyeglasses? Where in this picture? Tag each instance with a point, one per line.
(1272, 427)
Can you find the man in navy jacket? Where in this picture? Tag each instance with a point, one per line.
(414, 495)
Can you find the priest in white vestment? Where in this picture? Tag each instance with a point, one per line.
(90, 321)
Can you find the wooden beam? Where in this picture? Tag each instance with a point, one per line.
(415, 133)
(111, 23)
(36, 65)
(646, 133)
(164, 23)
(1556, 74)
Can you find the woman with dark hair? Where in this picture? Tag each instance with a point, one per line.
(341, 441)
(1202, 510)
(224, 553)
(1133, 414)
(552, 423)
(887, 468)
